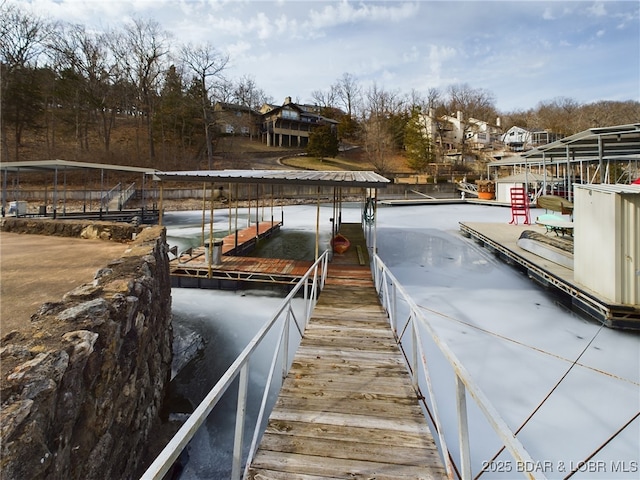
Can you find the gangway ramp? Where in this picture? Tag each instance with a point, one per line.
(347, 408)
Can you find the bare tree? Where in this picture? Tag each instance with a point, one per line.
(207, 64)
(94, 67)
(141, 50)
(559, 115)
(324, 99)
(23, 40)
(348, 92)
(247, 94)
(472, 102)
(382, 133)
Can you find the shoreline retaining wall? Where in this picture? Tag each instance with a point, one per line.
(83, 386)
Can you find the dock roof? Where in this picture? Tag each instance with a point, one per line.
(51, 165)
(364, 179)
(609, 142)
(621, 142)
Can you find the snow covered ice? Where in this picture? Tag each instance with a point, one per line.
(566, 382)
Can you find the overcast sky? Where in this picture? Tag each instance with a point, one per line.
(523, 52)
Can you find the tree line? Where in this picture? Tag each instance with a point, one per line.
(62, 82)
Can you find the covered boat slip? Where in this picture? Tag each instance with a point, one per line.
(212, 272)
(598, 155)
(503, 240)
(108, 202)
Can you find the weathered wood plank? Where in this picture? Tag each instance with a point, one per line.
(347, 408)
(295, 464)
(347, 449)
(382, 436)
(373, 405)
(404, 424)
(327, 383)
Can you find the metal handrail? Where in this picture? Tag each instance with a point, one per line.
(126, 194)
(106, 198)
(314, 278)
(414, 330)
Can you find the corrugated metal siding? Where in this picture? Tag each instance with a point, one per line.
(629, 208)
(607, 241)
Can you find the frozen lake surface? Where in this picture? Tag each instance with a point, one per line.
(570, 386)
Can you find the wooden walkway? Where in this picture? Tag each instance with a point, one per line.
(347, 408)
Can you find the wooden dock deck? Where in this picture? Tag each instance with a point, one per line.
(192, 269)
(347, 408)
(503, 238)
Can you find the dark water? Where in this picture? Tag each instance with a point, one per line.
(291, 245)
(227, 321)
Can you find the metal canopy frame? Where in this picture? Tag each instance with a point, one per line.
(368, 180)
(621, 143)
(364, 179)
(52, 165)
(64, 166)
(600, 146)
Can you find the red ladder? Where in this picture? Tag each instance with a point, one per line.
(519, 205)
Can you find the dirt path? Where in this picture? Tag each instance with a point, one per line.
(36, 268)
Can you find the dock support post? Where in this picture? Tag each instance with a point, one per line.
(317, 226)
(236, 219)
(257, 210)
(463, 430)
(236, 468)
(204, 209)
(210, 262)
(160, 206)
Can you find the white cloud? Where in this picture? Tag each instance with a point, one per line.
(597, 9)
(412, 55)
(296, 47)
(344, 12)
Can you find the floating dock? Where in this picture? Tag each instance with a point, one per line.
(193, 268)
(502, 240)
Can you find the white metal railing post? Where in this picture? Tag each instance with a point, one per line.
(238, 439)
(394, 309)
(305, 294)
(463, 430)
(285, 344)
(414, 352)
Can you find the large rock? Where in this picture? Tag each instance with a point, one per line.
(83, 387)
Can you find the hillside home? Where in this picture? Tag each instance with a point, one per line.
(519, 139)
(516, 138)
(236, 119)
(481, 135)
(290, 124)
(450, 132)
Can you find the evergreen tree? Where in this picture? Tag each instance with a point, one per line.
(418, 144)
(323, 142)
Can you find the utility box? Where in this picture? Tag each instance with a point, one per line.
(607, 240)
(18, 208)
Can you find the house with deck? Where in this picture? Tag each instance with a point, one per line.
(290, 124)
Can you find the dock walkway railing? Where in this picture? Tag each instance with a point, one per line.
(311, 284)
(413, 331)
